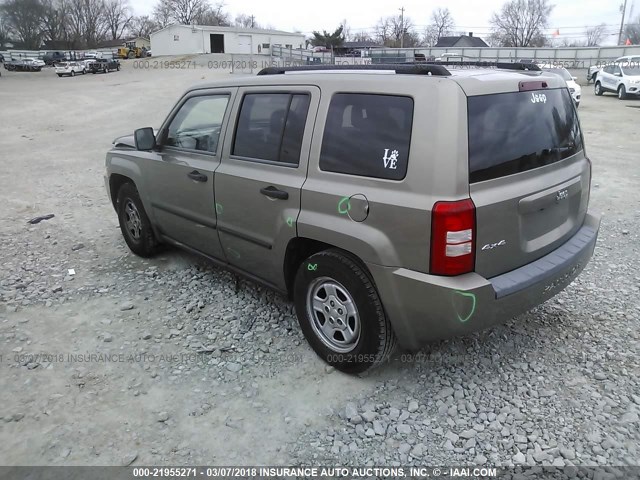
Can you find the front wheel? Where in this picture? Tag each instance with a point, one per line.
(73, 73)
(622, 92)
(598, 89)
(134, 222)
(340, 312)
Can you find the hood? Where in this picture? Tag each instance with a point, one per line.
(125, 141)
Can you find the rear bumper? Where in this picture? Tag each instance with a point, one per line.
(424, 308)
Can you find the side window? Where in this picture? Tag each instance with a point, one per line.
(271, 126)
(367, 135)
(197, 124)
(607, 69)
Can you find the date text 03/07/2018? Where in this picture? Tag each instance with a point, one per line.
(211, 64)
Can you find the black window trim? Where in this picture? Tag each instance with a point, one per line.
(413, 100)
(278, 163)
(162, 137)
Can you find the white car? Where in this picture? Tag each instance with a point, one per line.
(622, 77)
(70, 68)
(574, 89)
(34, 63)
(93, 54)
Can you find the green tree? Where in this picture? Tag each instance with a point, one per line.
(329, 40)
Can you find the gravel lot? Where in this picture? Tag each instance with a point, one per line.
(173, 361)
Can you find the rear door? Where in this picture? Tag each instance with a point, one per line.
(259, 180)
(529, 177)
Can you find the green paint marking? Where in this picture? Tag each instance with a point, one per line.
(312, 267)
(290, 221)
(472, 296)
(219, 209)
(344, 206)
(233, 252)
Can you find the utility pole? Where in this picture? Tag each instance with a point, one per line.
(624, 9)
(402, 26)
(252, 18)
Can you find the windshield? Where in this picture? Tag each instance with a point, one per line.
(510, 133)
(632, 69)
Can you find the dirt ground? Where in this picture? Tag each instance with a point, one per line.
(162, 361)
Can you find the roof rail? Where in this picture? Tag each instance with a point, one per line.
(408, 68)
(482, 63)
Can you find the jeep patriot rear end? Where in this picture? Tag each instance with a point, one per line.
(393, 202)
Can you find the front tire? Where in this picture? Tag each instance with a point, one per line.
(622, 93)
(340, 312)
(598, 89)
(134, 222)
(73, 73)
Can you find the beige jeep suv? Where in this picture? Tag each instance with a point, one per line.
(402, 203)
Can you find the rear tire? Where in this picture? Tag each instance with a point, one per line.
(597, 89)
(134, 222)
(622, 93)
(340, 312)
(73, 73)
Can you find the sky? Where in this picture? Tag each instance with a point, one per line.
(569, 17)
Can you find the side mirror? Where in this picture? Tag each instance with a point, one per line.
(575, 79)
(145, 138)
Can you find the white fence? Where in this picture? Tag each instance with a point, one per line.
(72, 54)
(580, 57)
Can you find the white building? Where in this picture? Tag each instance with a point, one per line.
(190, 39)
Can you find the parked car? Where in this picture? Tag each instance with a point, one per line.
(1, 58)
(51, 58)
(25, 65)
(350, 193)
(70, 68)
(621, 78)
(103, 65)
(92, 54)
(592, 72)
(572, 85)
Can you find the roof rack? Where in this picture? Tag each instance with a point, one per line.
(400, 68)
(482, 63)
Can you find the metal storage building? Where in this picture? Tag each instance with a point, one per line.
(192, 39)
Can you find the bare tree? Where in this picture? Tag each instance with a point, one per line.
(5, 32)
(245, 21)
(362, 37)
(595, 34)
(25, 18)
(117, 16)
(215, 16)
(520, 23)
(87, 25)
(142, 26)
(162, 14)
(383, 31)
(442, 23)
(346, 31)
(189, 12)
(54, 21)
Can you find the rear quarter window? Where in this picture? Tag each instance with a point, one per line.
(514, 132)
(367, 135)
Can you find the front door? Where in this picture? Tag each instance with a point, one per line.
(258, 183)
(181, 180)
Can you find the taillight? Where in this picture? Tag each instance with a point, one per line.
(453, 237)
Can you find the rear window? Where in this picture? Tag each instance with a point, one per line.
(511, 133)
(367, 135)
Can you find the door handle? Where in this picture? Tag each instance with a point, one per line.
(273, 192)
(197, 176)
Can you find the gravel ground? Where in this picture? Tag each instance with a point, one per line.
(173, 361)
